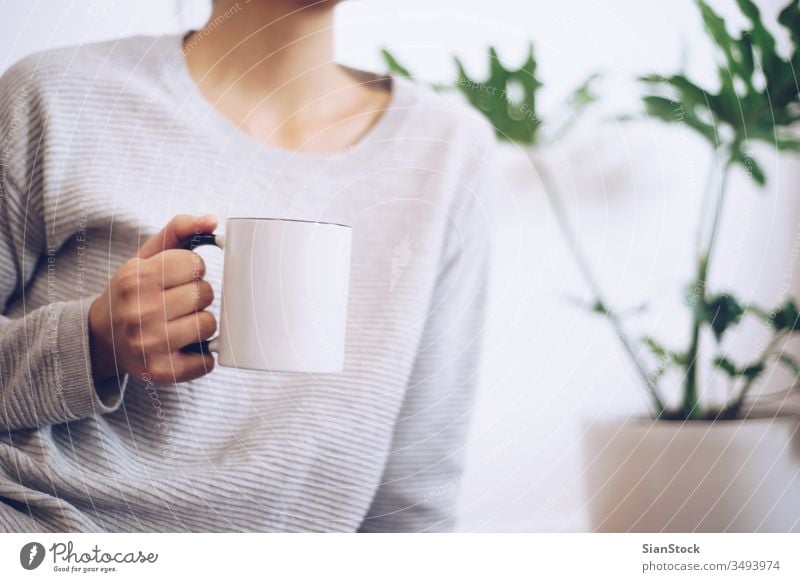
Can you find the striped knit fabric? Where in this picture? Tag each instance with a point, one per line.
(101, 146)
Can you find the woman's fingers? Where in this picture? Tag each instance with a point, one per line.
(179, 229)
(193, 366)
(190, 329)
(179, 367)
(187, 298)
(176, 267)
(173, 365)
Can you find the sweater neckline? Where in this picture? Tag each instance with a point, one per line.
(235, 141)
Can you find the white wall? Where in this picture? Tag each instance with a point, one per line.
(633, 188)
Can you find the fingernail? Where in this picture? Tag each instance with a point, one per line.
(208, 217)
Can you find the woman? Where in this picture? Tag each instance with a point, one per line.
(106, 424)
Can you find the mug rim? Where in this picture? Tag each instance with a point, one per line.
(260, 218)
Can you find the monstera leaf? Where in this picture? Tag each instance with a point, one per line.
(758, 96)
(507, 97)
(514, 119)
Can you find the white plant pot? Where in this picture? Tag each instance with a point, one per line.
(666, 476)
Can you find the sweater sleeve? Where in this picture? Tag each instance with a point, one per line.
(45, 361)
(420, 484)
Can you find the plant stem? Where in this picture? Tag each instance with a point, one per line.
(704, 207)
(690, 407)
(723, 187)
(762, 360)
(564, 224)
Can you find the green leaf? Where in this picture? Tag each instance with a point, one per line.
(673, 111)
(763, 41)
(753, 371)
(394, 65)
(595, 307)
(738, 63)
(748, 65)
(750, 166)
(789, 18)
(750, 10)
(662, 353)
(663, 108)
(690, 93)
(769, 114)
(658, 350)
(762, 38)
(726, 366)
(667, 358)
(507, 97)
(750, 372)
(715, 26)
(791, 145)
(583, 94)
(787, 318)
(688, 100)
(721, 312)
(514, 120)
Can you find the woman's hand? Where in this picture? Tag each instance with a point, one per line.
(154, 306)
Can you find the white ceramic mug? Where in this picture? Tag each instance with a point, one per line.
(284, 295)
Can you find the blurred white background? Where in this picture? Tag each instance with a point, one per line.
(633, 189)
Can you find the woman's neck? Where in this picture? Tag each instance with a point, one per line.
(283, 48)
(268, 66)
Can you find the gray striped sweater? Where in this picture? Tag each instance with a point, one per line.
(101, 145)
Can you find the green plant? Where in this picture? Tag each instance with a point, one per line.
(758, 99)
(518, 121)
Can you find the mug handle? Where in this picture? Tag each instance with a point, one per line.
(200, 240)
